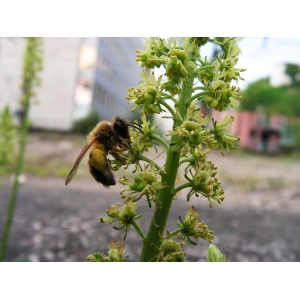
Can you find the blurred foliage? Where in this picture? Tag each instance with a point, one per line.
(293, 71)
(281, 100)
(86, 124)
(7, 141)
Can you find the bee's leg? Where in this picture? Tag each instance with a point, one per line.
(122, 143)
(118, 157)
(100, 169)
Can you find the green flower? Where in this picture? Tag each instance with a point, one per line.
(229, 46)
(115, 254)
(149, 60)
(175, 68)
(191, 133)
(154, 53)
(171, 251)
(190, 227)
(96, 257)
(220, 94)
(180, 54)
(122, 215)
(228, 59)
(199, 41)
(201, 176)
(145, 183)
(172, 85)
(206, 71)
(147, 95)
(223, 139)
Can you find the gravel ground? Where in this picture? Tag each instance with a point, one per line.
(258, 221)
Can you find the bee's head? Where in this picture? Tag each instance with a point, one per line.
(120, 126)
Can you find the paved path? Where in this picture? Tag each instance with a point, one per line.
(58, 223)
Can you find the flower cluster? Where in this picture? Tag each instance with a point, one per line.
(171, 251)
(172, 85)
(115, 254)
(217, 75)
(190, 227)
(206, 72)
(154, 54)
(221, 94)
(141, 142)
(175, 66)
(192, 132)
(203, 181)
(148, 94)
(145, 183)
(123, 216)
(223, 139)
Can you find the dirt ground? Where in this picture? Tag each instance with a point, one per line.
(258, 221)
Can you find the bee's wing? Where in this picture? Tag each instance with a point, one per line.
(78, 160)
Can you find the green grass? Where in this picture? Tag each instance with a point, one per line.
(63, 171)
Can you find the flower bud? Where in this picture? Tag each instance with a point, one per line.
(214, 254)
(199, 41)
(175, 68)
(115, 254)
(180, 54)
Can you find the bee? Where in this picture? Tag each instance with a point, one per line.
(106, 138)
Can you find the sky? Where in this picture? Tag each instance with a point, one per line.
(266, 57)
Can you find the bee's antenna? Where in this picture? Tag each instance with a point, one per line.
(136, 126)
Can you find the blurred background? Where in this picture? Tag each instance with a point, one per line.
(85, 80)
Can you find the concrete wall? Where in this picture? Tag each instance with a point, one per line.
(11, 61)
(56, 93)
(55, 96)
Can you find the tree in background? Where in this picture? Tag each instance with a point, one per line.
(293, 71)
(279, 100)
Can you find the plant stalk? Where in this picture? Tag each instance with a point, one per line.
(165, 197)
(15, 186)
(32, 64)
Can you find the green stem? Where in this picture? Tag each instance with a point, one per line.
(175, 232)
(168, 96)
(162, 141)
(165, 197)
(181, 187)
(200, 88)
(148, 160)
(192, 159)
(138, 229)
(169, 108)
(198, 95)
(206, 67)
(15, 186)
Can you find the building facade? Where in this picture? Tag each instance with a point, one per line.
(261, 133)
(79, 75)
(114, 71)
